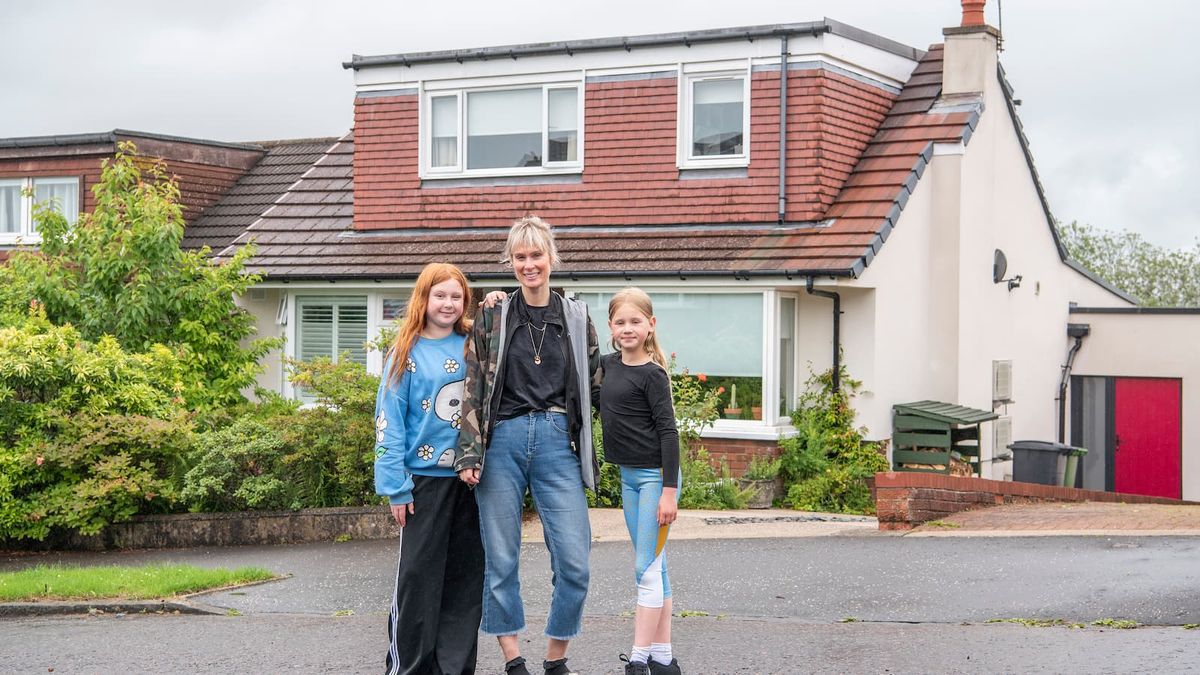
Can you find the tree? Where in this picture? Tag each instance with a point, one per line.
(1156, 276)
(120, 271)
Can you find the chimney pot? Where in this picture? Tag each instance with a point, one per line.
(972, 13)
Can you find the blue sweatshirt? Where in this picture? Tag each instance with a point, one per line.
(417, 420)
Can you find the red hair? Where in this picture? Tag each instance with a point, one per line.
(414, 316)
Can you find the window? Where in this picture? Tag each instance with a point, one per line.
(515, 131)
(715, 125)
(787, 355)
(16, 205)
(719, 335)
(331, 326)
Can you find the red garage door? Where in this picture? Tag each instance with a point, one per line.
(1148, 415)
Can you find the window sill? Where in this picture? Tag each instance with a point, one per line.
(714, 163)
(548, 178)
(20, 239)
(750, 430)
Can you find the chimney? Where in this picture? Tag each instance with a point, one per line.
(969, 63)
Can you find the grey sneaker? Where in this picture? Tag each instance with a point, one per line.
(671, 668)
(634, 667)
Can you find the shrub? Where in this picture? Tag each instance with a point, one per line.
(608, 484)
(90, 434)
(706, 487)
(119, 272)
(827, 463)
(236, 468)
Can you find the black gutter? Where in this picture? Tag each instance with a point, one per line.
(783, 79)
(1135, 310)
(570, 48)
(628, 275)
(837, 323)
(1077, 331)
(112, 137)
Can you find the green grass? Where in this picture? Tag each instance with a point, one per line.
(57, 582)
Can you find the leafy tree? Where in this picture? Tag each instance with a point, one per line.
(120, 271)
(1156, 276)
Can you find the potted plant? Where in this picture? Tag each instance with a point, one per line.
(733, 412)
(759, 481)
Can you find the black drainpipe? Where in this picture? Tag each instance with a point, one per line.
(783, 78)
(837, 330)
(1077, 331)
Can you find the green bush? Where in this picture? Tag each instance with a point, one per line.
(826, 464)
(90, 434)
(119, 271)
(608, 484)
(236, 468)
(706, 487)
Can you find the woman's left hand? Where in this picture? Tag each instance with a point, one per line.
(492, 298)
(667, 509)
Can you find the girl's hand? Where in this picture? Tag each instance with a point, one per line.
(401, 512)
(492, 298)
(469, 476)
(667, 509)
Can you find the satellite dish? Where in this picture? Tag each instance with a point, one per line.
(999, 267)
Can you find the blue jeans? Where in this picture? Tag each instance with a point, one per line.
(640, 491)
(533, 451)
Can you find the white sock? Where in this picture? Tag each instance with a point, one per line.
(639, 654)
(661, 652)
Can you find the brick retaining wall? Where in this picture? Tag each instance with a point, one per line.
(904, 500)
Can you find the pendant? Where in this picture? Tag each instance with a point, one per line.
(537, 360)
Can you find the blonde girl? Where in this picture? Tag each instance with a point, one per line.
(640, 436)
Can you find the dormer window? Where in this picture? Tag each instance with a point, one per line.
(513, 131)
(715, 120)
(16, 206)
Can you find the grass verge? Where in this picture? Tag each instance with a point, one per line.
(57, 582)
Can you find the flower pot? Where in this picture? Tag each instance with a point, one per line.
(762, 491)
(733, 413)
(756, 412)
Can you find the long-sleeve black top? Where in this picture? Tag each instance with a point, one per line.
(638, 418)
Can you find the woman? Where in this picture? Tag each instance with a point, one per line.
(527, 408)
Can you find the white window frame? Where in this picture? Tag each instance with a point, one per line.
(460, 170)
(772, 426)
(25, 233)
(685, 158)
(292, 300)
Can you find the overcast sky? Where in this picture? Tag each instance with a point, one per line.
(1110, 89)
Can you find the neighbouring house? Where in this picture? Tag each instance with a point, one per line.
(63, 169)
(792, 196)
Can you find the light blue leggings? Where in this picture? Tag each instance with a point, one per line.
(640, 491)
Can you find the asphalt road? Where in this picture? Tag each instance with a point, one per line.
(774, 605)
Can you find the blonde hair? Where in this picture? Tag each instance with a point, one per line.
(414, 315)
(641, 302)
(530, 232)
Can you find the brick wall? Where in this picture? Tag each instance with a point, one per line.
(738, 452)
(630, 175)
(904, 500)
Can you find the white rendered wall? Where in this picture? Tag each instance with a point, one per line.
(265, 311)
(1150, 345)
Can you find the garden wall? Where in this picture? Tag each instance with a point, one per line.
(904, 500)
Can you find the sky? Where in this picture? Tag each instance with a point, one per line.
(1109, 89)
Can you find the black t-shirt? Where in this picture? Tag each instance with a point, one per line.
(535, 360)
(638, 417)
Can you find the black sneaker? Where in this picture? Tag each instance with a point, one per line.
(516, 667)
(557, 667)
(672, 668)
(634, 667)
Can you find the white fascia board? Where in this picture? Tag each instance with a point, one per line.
(949, 148)
(853, 56)
(334, 287)
(866, 60)
(660, 284)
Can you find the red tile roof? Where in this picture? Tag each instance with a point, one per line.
(310, 234)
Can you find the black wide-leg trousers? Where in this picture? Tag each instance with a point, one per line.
(433, 628)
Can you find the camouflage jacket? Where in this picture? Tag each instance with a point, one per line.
(485, 376)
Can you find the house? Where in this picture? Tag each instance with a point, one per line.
(65, 168)
(792, 196)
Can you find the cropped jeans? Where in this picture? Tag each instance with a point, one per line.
(533, 451)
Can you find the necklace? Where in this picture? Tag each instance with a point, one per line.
(537, 346)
